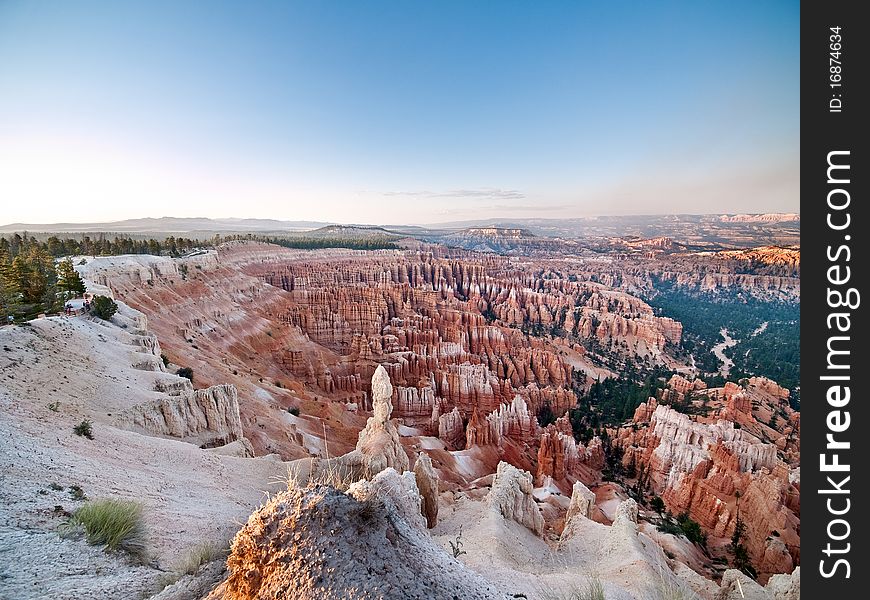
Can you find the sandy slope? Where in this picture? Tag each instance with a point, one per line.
(189, 495)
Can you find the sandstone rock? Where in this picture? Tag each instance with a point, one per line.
(512, 421)
(582, 502)
(558, 455)
(450, 428)
(784, 586)
(511, 497)
(208, 417)
(737, 586)
(776, 557)
(318, 543)
(397, 493)
(427, 483)
(626, 515)
(379, 443)
(240, 448)
(478, 431)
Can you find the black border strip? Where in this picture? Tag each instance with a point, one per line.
(832, 121)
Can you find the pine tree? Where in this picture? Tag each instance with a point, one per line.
(34, 272)
(10, 293)
(68, 279)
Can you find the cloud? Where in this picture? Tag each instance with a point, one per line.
(479, 193)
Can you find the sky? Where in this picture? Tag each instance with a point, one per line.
(396, 112)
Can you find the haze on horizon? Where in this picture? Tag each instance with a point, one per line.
(396, 112)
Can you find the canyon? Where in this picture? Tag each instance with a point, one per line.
(441, 381)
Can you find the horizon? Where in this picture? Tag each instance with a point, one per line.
(496, 221)
(392, 112)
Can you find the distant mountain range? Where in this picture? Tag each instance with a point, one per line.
(538, 226)
(170, 225)
(699, 232)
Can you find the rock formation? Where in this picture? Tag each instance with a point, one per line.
(207, 417)
(379, 445)
(318, 543)
(511, 497)
(737, 586)
(700, 464)
(582, 502)
(427, 483)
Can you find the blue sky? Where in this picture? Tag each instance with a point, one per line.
(396, 112)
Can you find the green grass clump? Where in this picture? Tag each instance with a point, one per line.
(115, 524)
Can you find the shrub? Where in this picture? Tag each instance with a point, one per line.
(684, 526)
(165, 359)
(692, 530)
(84, 429)
(103, 307)
(657, 504)
(668, 526)
(77, 493)
(185, 372)
(116, 524)
(293, 410)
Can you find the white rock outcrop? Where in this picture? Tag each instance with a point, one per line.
(511, 497)
(684, 443)
(582, 502)
(427, 483)
(318, 543)
(207, 417)
(379, 444)
(626, 517)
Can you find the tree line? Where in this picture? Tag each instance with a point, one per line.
(363, 242)
(32, 283)
(100, 245)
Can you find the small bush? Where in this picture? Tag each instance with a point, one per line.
(77, 493)
(692, 530)
(55, 486)
(185, 372)
(165, 359)
(54, 406)
(684, 526)
(103, 307)
(115, 524)
(293, 410)
(85, 429)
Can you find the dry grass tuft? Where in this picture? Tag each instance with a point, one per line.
(592, 590)
(199, 555)
(669, 590)
(116, 524)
